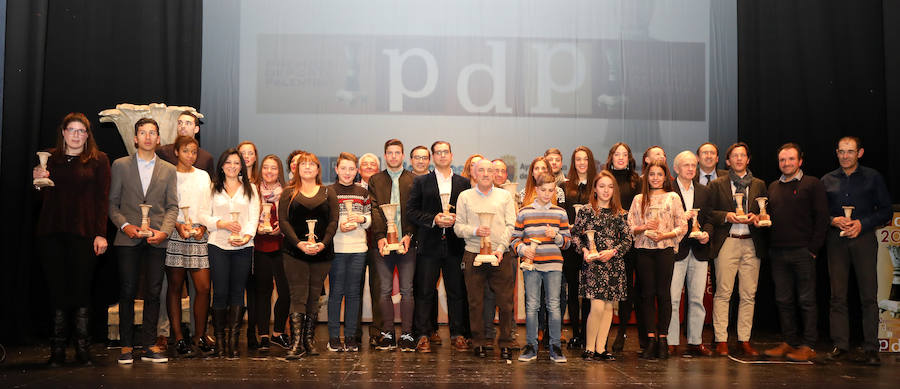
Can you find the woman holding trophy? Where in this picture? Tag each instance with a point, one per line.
(267, 257)
(309, 216)
(232, 224)
(656, 219)
(602, 237)
(187, 249)
(71, 229)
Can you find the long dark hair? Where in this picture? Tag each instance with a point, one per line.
(531, 182)
(90, 150)
(572, 184)
(615, 202)
(635, 178)
(645, 183)
(252, 169)
(219, 181)
(277, 161)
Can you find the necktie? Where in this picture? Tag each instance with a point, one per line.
(708, 179)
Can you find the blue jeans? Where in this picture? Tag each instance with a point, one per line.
(552, 281)
(345, 279)
(694, 272)
(229, 271)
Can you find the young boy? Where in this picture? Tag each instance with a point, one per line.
(549, 224)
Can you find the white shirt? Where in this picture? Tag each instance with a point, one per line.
(145, 169)
(194, 191)
(221, 206)
(445, 184)
(740, 229)
(687, 194)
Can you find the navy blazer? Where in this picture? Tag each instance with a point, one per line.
(424, 204)
(702, 200)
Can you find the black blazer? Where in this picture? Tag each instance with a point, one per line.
(380, 193)
(723, 202)
(424, 204)
(719, 173)
(702, 200)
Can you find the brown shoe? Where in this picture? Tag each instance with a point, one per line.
(435, 339)
(722, 349)
(673, 350)
(747, 350)
(162, 343)
(801, 354)
(424, 346)
(461, 343)
(779, 351)
(699, 350)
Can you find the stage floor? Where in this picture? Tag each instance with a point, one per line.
(443, 368)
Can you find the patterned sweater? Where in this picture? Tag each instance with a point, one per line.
(532, 222)
(352, 241)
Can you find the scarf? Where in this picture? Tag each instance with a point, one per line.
(741, 184)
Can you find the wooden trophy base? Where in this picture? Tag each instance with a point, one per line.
(266, 229)
(742, 218)
(486, 258)
(651, 233)
(43, 183)
(235, 239)
(525, 265)
(351, 224)
(765, 223)
(145, 233)
(593, 255)
(388, 248)
(695, 234)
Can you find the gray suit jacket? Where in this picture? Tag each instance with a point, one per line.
(126, 193)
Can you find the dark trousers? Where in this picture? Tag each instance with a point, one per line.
(794, 274)
(229, 270)
(632, 302)
(406, 271)
(305, 281)
(431, 262)
(502, 281)
(572, 263)
(132, 259)
(655, 267)
(861, 254)
(268, 267)
(68, 262)
(374, 288)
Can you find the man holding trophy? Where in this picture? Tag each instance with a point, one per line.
(389, 191)
(439, 250)
(799, 220)
(144, 207)
(495, 238)
(858, 202)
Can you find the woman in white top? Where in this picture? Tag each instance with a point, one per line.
(656, 219)
(230, 246)
(187, 249)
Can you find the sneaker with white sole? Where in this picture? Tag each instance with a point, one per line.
(529, 353)
(556, 355)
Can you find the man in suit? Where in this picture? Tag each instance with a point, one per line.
(692, 258)
(142, 179)
(438, 248)
(392, 186)
(736, 246)
(708, 160)
(188, 125)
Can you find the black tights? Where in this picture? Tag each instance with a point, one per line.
(175, 276)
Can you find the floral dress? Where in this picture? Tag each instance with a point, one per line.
(603, 280)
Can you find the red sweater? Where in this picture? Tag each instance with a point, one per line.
(79, 201)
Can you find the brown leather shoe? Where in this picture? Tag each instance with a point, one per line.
(162, 343)
(461, 343)
(747, 350)
(801, 354)
(779, 351)
(673, 350)
(435, 339)
(722, 349)
(699, 350)
(424, 346)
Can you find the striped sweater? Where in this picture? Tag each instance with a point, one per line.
(532, 222)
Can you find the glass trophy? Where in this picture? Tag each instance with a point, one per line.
(528, 264)
(145, 231)
(39, 183)
(348, 206)
(592, 245)
(764, 219)
(486, 254)
(739, 208)
(848, 211)
(695, 229)
(266, 216)
(235, 236)
(393, 239)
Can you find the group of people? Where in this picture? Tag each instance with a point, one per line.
(585, 241)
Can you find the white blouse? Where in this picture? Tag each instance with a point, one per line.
(221, 207)
(194, 192)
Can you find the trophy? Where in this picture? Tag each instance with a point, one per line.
(348, 206)
(529, 264)
(235, 236)
(311, 235)
(445, 207)
(739, 208)
(695, 230)
(187, 220)
(393, 240)
(592, 247)
(266, 216)
(848, 211)
(486, 254)
(654, 214)
(145, 221)
(46, 181)
(511, 188)
(764, 219)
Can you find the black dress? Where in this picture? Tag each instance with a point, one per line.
(603, 280)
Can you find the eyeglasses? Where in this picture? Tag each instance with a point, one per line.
(77, 131)
(442, 152)
(420, 158)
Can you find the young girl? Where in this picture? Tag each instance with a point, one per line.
(656, 219)
(267, 259)
(345, 277)
(582, 169)
(602, 278)
(526, 196)
(187, 250)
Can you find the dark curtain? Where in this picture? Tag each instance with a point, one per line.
(85, 56)
(810, 72)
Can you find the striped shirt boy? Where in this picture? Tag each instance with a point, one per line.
(532, 222)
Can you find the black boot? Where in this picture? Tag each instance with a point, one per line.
(309, 334)
(663, 352)
(82, 337)
(235, 321)
(219, 333)
(297, 350)
(651, 350)
(58, 339)
(619, 343)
